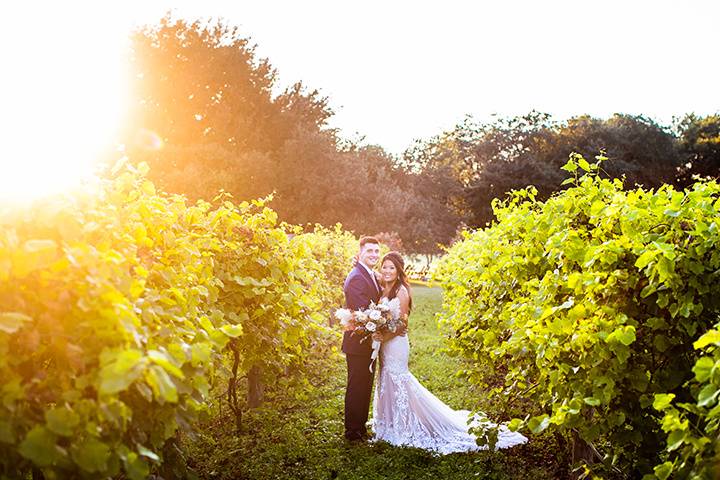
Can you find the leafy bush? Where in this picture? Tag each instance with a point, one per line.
(588, 304)
(692, 449)
(333, 249)
(117, 310)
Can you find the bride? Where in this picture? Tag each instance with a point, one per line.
(404, 412)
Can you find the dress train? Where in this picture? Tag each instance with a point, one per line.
(407, 414)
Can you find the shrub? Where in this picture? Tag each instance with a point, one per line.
(588, 305)
(117, 310)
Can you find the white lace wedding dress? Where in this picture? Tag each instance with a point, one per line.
(406, 414)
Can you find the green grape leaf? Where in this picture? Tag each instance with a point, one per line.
(709, 337)
(514, 424)
(232, 331)
(61, 421)
(663, 471)
(676, 439)
(707, 395)
(162, 359)
(570, 166)
(162, 385)
(647, 257)
(702, 368)
(39, 447)
(119, 374)
(539, 423)
(662, 400)
(91, 455)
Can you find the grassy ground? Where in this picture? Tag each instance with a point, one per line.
(301, 438)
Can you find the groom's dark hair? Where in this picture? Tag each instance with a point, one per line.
(365, 240)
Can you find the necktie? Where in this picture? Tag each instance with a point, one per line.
(377, 287)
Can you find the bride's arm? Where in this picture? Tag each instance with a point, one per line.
(404, 296)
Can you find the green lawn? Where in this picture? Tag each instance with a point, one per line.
(301, 438)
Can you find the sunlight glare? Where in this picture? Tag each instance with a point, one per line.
(64, 100)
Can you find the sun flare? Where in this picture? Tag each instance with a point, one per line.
(65, 102)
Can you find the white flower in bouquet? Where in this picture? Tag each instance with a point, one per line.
(375, 315)
(370, 326)
(361, 316)
(344, 315)
(383, 306)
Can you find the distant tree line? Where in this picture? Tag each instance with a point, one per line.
(487, 160)
(207, 116)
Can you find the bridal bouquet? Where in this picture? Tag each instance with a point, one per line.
(381, 317)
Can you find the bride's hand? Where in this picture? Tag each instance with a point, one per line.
(402, 331)
(377, 336)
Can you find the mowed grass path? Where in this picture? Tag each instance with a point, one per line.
(301, 437)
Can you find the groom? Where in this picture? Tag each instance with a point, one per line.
(361, 288)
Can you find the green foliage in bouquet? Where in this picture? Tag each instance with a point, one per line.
(117, 309)
(588, 305)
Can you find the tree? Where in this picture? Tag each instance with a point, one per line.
(636, 146)
(201, 90)
(488, 160)
(700, 146)
(205, 119)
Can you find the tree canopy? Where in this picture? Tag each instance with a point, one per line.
(487, 160)
(208, 116)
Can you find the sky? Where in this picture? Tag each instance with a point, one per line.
(399, 70)
(394, 71)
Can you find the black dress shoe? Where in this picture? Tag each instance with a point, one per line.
(354, 441)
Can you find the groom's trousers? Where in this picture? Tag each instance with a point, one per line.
(357, 395)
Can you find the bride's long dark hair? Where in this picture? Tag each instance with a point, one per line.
(402, 278)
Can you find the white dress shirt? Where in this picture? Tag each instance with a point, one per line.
(372, 275)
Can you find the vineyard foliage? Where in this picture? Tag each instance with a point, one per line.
(117, 310)
(333, 248)
(588, 305)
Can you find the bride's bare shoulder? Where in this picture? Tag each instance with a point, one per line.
(403, 291)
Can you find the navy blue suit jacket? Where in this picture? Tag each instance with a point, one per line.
(359, 292)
